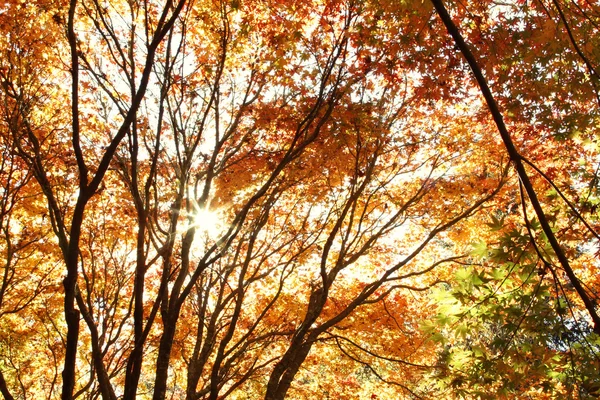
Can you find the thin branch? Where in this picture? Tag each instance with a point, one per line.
(571, 206)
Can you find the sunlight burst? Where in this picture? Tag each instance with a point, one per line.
(209, 227)
(207, 222)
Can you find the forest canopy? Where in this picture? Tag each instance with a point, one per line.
(303, 199)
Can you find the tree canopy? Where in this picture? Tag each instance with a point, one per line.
(209, 199)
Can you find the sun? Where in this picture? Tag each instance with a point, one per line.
(207, 222)
(208, 225)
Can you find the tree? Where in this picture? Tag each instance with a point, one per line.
(550, 257)
(257, 199)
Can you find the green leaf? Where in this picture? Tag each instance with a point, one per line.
(480, 249)
(478, 351)
(462, 330)
(428, 327)
(498, 274)
(496, 223)
(534, 224)
(476, 279)
(463, 274)
(552, 194)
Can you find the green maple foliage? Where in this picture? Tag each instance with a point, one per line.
(510, 328)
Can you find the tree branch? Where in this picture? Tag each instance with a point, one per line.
(515, 158)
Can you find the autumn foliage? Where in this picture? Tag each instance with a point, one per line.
(299, 199)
